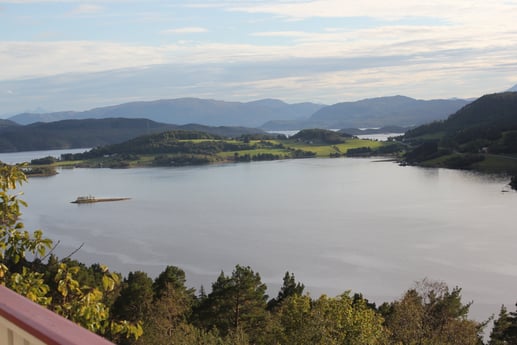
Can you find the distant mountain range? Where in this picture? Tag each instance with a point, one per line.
(376, 112)
(269, 114)
(7, 123)
(188, 110)
(67, 134)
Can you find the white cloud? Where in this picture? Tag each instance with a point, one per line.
(33, 59)
(280, 34)
(445, 44)
(185, 30)
(87, 9)
(395, 9)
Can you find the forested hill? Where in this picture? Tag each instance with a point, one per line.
(495, 110)
(68, 134)
(474, 137)
(493, 113)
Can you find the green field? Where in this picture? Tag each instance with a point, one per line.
(252, 150)
(326, 150)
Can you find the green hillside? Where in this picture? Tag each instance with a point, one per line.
(478, 136)
(181, 147)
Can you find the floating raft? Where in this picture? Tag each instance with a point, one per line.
(91, 199)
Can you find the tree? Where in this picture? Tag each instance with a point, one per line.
(135, 299)
(167, 318)
(341, 320)
(237, 302)
(431, 313)
(295, 322)
(15, 242)
(504, 331)
(171, 278)
(289, 288)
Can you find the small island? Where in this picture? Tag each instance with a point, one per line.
(91, 199)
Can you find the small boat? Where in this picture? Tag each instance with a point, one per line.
(91, 199)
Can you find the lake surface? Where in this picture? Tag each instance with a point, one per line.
(27, 156)
(379, 136)
(337, 224)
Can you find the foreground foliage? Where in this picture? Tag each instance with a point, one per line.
(55, 284)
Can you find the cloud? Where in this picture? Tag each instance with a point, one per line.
(87, 9)
(395, 9)
(444, 44)
(186, 30)
(280, 34)
(33, 59)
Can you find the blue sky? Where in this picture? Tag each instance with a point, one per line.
(68, 54)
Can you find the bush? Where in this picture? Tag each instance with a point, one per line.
(358, 152)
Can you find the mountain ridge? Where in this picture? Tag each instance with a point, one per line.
(187, 110)
(270, 114)
(386, 111)
(474, 137)
(68, 134)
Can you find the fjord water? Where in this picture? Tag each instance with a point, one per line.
(338, 224)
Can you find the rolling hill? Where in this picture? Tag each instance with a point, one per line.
(485, 129)
(67, 134)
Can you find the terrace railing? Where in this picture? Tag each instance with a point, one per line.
(23, 322)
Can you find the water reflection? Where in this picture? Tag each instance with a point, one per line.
(336, 223)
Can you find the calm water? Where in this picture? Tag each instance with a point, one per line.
(338, 224)
(27, 156)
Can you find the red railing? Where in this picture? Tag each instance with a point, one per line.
(25, 322)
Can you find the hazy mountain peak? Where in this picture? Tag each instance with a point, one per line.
(186, 110)
(385, 111)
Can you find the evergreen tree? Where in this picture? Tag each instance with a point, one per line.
(289, 288)
(237, 302)
(168, 315)
(135, 298)
(498, 335)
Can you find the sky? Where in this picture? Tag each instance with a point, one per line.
(76, 55)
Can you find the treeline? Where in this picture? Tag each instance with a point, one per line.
(237, 310)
